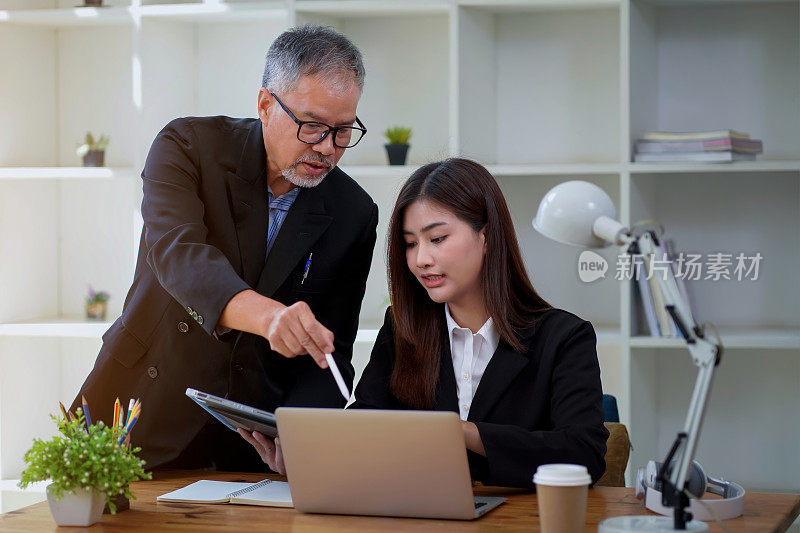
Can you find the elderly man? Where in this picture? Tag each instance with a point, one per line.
(255, 252)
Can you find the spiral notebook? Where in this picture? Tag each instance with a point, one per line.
(267, 493)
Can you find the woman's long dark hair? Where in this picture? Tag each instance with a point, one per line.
(470, 192)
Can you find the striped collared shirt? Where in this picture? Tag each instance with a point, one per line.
(278, 209)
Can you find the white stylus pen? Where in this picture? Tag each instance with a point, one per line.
(337, 376)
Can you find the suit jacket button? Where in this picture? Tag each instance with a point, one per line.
(189, 310)
(200, 320)
(152, 372)
(183, 327)
(237, 366)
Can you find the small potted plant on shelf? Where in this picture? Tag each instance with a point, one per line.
(89, 468)
(93, 150)
(397, 149)
(96, 304)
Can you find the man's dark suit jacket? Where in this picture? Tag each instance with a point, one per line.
(205, 213)
(542, 405)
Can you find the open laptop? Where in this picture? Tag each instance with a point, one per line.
(385, 463)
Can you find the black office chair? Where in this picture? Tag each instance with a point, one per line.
(610, 407)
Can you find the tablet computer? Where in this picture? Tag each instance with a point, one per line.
(236, 415)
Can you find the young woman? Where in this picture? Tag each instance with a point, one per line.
(468, 333)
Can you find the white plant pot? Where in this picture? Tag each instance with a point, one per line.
(78, 508)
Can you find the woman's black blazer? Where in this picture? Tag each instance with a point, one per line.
(541, 405)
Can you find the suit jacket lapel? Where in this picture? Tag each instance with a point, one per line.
(503, 368)
(446, 387)
(306, 221)
(250, 205)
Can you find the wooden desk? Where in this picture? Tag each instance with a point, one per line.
(763, 512)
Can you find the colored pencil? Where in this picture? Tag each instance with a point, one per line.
(86, 411)
(63, 411)
(126, 437)
(130, 409)
(132, 419)
(116, 412)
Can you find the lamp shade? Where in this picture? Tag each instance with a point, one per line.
(568, 211)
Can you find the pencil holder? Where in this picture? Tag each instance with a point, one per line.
(122, 503)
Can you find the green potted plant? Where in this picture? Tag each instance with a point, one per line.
(93, 150)
(88, 468)
(397, 149)
(96, 304)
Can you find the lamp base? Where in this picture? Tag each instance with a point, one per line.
(647, 524)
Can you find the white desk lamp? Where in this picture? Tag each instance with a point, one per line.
(579, 213)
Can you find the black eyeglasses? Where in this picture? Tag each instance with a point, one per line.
(311, 132)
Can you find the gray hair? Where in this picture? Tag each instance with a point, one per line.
(311, 49)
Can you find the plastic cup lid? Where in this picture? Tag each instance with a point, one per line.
(562, 475)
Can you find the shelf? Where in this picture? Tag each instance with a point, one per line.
(114, 15)
(10, 485)
(702, 3)
(78, 328)
(78, 16)
(605, 336)
(566, 169)
(75, 327)
(515, 6)
(732, 339)
(216, 12)
(691, 168)
(66, 173)
(66, 326)
(555, 169)
(376, 171)
(368, 8)
(608, 336)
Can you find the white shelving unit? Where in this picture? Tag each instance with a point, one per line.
(58, 326)
(66, 173)
(541, 91)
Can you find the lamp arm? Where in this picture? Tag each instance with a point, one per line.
(706, 356)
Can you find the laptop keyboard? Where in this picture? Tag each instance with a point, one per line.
(478, 505)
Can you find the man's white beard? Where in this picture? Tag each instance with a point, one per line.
(290, 174)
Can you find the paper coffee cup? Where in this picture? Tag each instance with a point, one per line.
(562, 491)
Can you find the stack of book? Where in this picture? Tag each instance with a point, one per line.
(706, 146)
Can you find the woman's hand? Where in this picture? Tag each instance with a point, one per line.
(269, 450)
(472, 438)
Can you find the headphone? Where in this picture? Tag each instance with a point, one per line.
(730, 506)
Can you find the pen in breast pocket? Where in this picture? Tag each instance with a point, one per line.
(307, 267)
